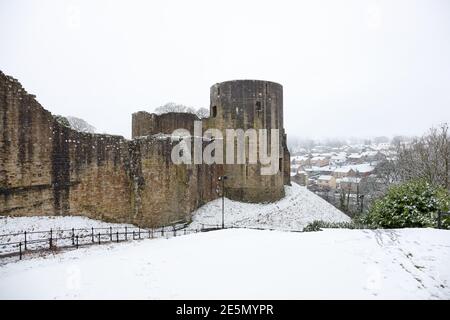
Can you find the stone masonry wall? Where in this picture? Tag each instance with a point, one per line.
(161, 186)
(144, 123)
(49, 169)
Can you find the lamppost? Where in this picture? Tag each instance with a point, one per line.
(222, 179)
(362, 202)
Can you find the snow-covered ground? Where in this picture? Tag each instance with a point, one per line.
(236, 263)
(298, 208)
(242, 263)
(43, 223)
(12, 230)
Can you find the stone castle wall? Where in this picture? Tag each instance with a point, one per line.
(144, 123)
(49, 169)
(240, 104)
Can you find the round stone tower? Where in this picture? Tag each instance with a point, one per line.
(251, 104)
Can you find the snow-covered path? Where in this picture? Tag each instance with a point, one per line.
(298, 208)
(240, 263)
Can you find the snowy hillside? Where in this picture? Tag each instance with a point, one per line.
(245, 264)
(298, 208)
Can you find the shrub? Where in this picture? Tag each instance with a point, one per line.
(412, 204)
(312, 226)
(317, 225)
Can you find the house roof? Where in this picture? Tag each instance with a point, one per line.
(299, 158)
(361, 168)
(350, 180)
(343, 169)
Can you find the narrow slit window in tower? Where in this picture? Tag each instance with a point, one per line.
(258, 106)
(214, 111)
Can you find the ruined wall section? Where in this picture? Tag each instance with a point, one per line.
(100, 176)
(144, 123)
(25, 149)
(49, 169)
(163, 187)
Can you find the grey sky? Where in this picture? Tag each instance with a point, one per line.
(348, 67)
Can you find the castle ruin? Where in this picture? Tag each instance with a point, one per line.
(47, 168)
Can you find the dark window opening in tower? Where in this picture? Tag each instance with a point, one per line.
(218, 91)
(280, 164)
(214, 111)
(258, 106)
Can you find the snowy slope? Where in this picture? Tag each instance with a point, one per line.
(240, 264)
(299, 207)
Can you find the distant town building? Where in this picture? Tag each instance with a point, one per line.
(326, 182)
(349, 184)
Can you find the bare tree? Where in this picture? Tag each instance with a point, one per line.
(174, 107)
(80, 125)
(387, 172)
(75, 123)
(427, 158)
(202, 113)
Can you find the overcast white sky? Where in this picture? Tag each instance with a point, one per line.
(348, 68)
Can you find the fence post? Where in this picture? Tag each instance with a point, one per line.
(126, 234)
(162, 231)
(133, 235)
(77, 241)
(149, 233)
(152, 232)
(99, 238)
(110, 234)
(51, 238)
(184, 231)
(174, 232)
(25, 243)
(20, 250)
(73, 236)
(117, 235)
(139, 232)
(439, 219)
(92, 234)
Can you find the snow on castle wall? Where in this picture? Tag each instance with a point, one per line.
(49, 169)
